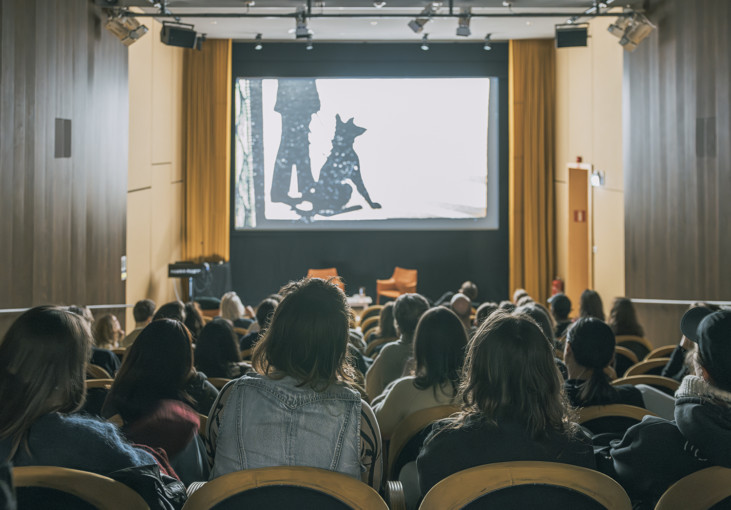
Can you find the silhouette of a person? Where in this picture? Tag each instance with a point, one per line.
(297, 101)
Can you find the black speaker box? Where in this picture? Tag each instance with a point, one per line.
(570, 37)
(178, 36)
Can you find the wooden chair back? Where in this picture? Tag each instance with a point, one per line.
(218, 382)
(462, 488)
(623, 359)
(241, 331)
(660, 352)
(327, 274)
(99, 383)
(613, 418)
(375, 343)
(343, 488)
(647, 367)
(698, 491)
(99, 491)
(246, 355)
(368, 324)
(96, 372)
(637, 344)
(409, 427)
(656, 381)
(120, 352)
(371, 311)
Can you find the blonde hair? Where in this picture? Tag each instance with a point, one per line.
(231, 306)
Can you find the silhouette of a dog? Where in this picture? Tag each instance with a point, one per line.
(331, 193)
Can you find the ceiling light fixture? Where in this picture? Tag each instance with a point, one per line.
(463, 23)
(258, 46)
(631, 30)
(425, 42)
(417, 24)
(488, 43)
(128, 30)
(309, 43)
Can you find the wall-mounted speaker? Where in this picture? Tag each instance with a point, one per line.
(571, 36)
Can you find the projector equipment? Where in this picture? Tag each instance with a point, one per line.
(258, 46)
(417, 24)
(631, 30)
(128, 30)
(463, 28)
(302, 31)
(488, 43)
(425, 42)
(187, 270)
(181, 35)
(570, 36)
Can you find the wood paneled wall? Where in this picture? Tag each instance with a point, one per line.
(62, 220)
(677, 90)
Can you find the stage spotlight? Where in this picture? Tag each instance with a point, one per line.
(417, 24)
(631, 30)
(309, 43)
(258, 46)
(302, 31)
(488, 43)
(378, 4)
(128, 30)
(463, 28)
(425, 42)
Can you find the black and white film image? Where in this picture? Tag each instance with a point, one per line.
(319, 151)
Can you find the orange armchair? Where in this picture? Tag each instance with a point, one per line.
(326, 274)
(403, 281)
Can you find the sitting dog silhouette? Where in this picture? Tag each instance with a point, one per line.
(331, 193)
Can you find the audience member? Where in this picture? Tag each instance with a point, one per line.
(678, 366)
(174, 310)
(518, 294)
(107, 332)
(390, 363)
(142, 312)
(467, 288)
(656, 453)
(524, 301)
(439, 349)
(302, 378)
(462, 306)
(100, 357)
(193, 319)
(560, 310)
(233, 309)
(590, 305)
(386, 327)
(217, 351)
(43, 360)
(264, 312)
(512, 407)
(484, 311)
(507, 306)
(588, 352)
(623, 318)
(542, 318)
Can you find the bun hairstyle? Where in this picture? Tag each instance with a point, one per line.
(592, 345)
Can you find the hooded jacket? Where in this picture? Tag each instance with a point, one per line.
(656, 453)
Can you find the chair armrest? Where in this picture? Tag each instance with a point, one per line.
(389, 284)
(394, 495)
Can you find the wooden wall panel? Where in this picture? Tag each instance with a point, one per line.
(62, 220)
(677, 159)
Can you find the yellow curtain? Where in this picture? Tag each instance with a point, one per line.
(207, 117)
(532, 119)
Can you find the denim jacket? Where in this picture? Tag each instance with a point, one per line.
(269, 422)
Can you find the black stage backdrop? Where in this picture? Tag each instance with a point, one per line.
(263, 260)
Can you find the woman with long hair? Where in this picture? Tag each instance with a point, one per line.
(590, 305)
(440, 342)
(234, 310)
(217, 351)
(43, 359)
(386, 327)
(623, 318)
(588, 352)
(107, 332)
(299, 408)
(512, 406)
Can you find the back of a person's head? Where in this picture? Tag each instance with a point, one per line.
(193, 318)
(216, 349)
(469, 289)
(407, 310)
(461, 305)
(264, 312)
(106, 331)
(484, 311)
(440, 341)
(524, 301)
(174, 310)
(540, 316)
(590, 305)
(519, 293)
(510, 374)
(82, 311)
(591, 343)
(143, 310)
(231, 306)
(386, 327)
(157, 366)
(560, 306)
(43, 359)
(307, 336)
(623, 318)
(507, 306)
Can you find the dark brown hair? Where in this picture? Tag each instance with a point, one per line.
(43, 359)
(510, 374)
(623, 318)
(106, 331)
(592, 346)
(307, 337)
(440, 342)
(590, 305)
(386, 327)
(217, 348)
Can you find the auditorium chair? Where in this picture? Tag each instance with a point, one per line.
(96, 372)
(246, 355)
(637, 344)
(120, 352)
(371, 311)
(623, 359)
(326, 274)
(376, 343)
(664, 384)
(660, 352)
(285, 487)
(649, 367)
(218, 382)
(403, 281)
(611, 419)
(699, 491)
(527, 484)
(368, 324)
(59, 487)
